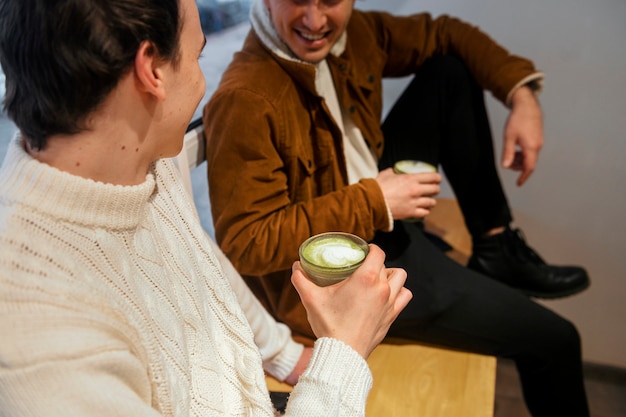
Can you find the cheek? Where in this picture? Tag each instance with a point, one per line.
(202, 82)
(196, 83)
(200, 85)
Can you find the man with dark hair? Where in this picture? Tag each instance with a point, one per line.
(113, 300)
(295, 125)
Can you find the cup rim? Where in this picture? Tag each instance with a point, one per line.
(333, 270)
(427, 167)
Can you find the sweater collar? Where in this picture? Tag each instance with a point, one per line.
(70, 198)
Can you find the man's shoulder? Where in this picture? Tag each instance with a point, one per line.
(252, 71)
(255, 71)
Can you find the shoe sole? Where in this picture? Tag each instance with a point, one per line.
(552, 295)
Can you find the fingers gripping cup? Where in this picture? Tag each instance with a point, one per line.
(329, 258)
(409, 166)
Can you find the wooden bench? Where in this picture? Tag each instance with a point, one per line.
(409, 379)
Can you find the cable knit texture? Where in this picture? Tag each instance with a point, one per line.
(114, 302)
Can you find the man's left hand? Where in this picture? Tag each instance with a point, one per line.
(523, 134)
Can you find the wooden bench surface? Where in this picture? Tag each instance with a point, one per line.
(417, 380)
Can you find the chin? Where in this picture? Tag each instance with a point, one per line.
(178, 149)
(313, 58)
(172, 149)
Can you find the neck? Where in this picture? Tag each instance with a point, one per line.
(117, 147)
(101, 156)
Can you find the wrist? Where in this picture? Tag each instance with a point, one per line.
(522, 94)
(300, 367)
(534, 82)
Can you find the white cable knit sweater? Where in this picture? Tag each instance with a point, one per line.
(114, 302)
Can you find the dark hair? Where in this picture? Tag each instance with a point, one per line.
(62, 58)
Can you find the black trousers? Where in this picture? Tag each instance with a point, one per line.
(441, 119)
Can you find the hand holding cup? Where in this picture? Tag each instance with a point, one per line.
(359, 309)
(410, 189)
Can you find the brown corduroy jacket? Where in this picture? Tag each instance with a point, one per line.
(276, 167)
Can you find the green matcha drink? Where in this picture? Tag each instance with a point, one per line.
(330, 257)
(409, 166)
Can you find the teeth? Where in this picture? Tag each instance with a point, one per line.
(311, 37)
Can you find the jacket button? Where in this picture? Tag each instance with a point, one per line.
(351, 109)
(342, 67)
(379, 145)
(370, 78)
(310, 163)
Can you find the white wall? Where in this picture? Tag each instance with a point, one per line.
(572, 209)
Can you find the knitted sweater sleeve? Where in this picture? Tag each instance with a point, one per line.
(336, 383)
(337, 380)
(279, 351)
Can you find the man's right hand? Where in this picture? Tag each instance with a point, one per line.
(358, 310)
(409, 195)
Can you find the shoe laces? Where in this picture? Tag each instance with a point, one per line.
(518, 244)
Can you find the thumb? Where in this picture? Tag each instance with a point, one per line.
(299, 279)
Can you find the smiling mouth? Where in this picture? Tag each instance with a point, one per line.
(313, 37)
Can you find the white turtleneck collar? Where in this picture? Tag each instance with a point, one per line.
(69, 197)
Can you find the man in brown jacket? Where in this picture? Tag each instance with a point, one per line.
(295, 127)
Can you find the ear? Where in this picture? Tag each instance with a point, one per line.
(148, 70)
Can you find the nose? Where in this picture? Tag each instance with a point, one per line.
(314, 16)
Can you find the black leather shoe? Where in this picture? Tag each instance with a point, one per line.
(507, 258)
